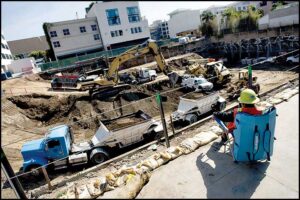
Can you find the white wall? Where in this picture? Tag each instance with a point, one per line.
(76, 41)
(184, 21)
(6, 56)
(99, 10)
(281, 17)
(18, 66)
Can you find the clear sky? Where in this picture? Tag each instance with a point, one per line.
(21, 20)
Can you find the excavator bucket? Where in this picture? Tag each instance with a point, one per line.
(173, 78)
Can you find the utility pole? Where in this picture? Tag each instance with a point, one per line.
(14, 182)
(250, 76)
(162, 115)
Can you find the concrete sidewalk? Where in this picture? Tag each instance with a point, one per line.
(210, 173)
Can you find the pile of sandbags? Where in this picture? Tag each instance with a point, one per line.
(283, 95)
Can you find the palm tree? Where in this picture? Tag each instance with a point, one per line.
(206, 16)
(208, 23)
(233, 17)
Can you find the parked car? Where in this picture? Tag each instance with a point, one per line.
(293, 59)
(197, 83)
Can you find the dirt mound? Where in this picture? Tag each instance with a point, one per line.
(44, 108)
(33, 77)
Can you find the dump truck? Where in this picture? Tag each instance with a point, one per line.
(58, 144)
(192, 105)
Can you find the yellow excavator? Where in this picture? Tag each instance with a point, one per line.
(108, 84)
(216, 72)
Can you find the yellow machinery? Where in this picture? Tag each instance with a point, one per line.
(243, 81)
(108, 85)
(216, 72)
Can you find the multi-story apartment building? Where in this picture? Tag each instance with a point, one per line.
(184, 20)
(6, 57)
(159, 30)
(120, 22)
(107, 25)
(75, 37)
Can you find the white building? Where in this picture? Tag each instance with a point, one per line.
(107, 25)
(120, 23)
(286, 16)
(159, 30)
(6, 56)
(183, 20)
(75, 37)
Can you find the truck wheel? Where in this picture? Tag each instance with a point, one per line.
(34, 172)
(98, 156)
(222, 106)
(192, 119)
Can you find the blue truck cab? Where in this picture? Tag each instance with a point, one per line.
(55, 145)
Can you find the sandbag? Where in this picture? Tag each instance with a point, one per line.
(111, 179)
(274, 100)
(206, 137)
(97, 186)
(216, 130)
(150, 163)
(124, 170)
(175, 151)
(188, 145)
(82, 192)
(70, 193)
(286, 94)
(128, 191)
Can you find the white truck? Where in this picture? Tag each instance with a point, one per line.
(198, 84)
(144, 75)
(192, 105)
(58, 144)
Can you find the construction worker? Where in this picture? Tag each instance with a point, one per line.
(247, 101)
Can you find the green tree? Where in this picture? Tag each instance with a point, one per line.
(38, 54)
(209, 23)
(206, 16)
(242, 19)
(278, 4)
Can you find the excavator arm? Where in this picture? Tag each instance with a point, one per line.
(146, 47)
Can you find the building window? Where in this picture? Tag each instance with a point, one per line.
(82, 29)
(2, 37)
(2, 56)
(2, 45)
(116, 33)
(96, 37)
(239, 8)
(94, 27)
(53, 34)
(7, 46)
(56, 44)
(66, 31)
(133, 14)
(113, 17)
(136, 30)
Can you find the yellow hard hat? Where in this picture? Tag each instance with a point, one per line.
(248, 96)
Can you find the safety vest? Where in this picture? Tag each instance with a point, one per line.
(251, 111)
